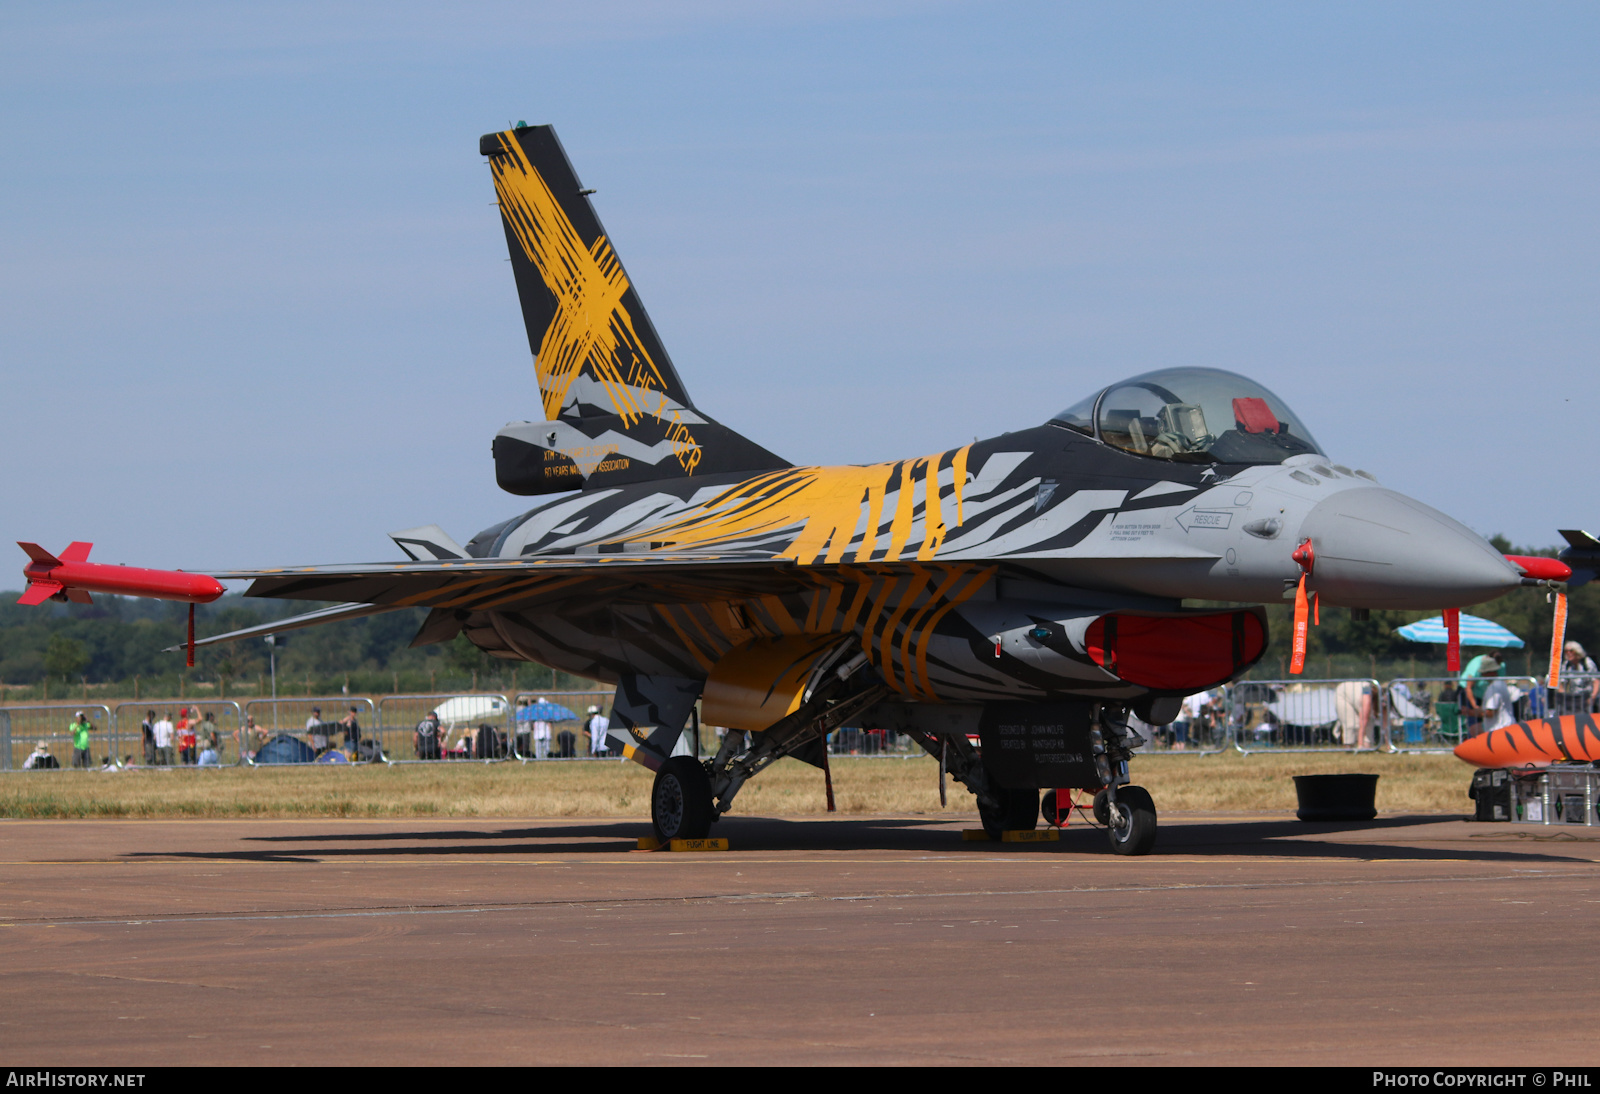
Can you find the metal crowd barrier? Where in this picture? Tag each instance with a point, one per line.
(222, 727)
(270, 720)
(1435, 713)
(1304, 715)
(872, 741)
(525, 746)
(1407, 714)
(1206, 735)
(461, 736)
(1575, 695)
(41, 731)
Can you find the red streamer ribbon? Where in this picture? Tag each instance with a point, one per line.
(1297, 662)
(1452, 648)
(1558, 638)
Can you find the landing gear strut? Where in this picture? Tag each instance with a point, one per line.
(1127, 811)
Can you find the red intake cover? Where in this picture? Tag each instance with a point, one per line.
(1177, 653)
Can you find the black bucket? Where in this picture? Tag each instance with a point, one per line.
(1336, 797)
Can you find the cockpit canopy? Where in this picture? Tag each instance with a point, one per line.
(1192, 415)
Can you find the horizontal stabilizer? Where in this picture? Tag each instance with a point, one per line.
(295, 622)
(428, 542)
(1582, 554)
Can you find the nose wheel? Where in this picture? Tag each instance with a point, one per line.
(1130, 820)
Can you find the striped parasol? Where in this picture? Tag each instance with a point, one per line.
(1474, 632)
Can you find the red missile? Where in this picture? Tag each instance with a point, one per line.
(1540, 569)
(74, 577)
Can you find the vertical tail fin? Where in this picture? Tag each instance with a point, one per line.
(615, 408)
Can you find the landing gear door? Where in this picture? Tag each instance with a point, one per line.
(1038, 745)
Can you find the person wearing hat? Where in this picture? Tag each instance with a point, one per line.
(39, 759)
(80, 729)
(597, 725)
(1580, 686)
(1499, 705)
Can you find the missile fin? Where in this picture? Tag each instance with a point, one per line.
(38, 592)
(79, 596)
(77, 551)
(39, 554)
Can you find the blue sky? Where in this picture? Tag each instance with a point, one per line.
(255, 309)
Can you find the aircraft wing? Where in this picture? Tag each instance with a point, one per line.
(468, 585)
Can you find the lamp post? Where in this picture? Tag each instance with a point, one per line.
(272, 654)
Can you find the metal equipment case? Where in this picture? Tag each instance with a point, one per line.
(1558, 794)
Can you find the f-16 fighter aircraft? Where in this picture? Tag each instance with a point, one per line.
(1024, 591)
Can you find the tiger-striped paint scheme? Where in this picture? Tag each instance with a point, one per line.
(991, 571)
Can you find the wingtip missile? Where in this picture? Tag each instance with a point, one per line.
(71, 576)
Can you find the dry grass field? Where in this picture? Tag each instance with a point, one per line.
(1180, 784)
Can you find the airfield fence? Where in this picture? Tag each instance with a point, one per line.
(1304, 715)
(45, 725)
(1575, 696)
(1436, 713)
(579, 747)
(462, 717)
(129, 744)
(1206, 735)
(273, 720)
(1407, 714)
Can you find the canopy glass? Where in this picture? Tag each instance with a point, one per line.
(1192, 415)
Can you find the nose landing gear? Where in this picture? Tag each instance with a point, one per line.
(1130, 819)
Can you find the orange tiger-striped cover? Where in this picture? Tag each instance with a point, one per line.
(1540, 741)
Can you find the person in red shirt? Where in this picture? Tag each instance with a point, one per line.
(186, 749)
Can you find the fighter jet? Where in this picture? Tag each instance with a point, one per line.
(1025, 592)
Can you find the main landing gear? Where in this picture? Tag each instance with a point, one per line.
(1017, 809)
(680, 800)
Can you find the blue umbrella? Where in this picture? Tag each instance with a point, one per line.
(545, 712)
(1474, 632)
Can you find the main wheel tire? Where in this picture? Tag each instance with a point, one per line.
(1047, 809)
(1018, 809)
(1133, 822)
(1022, 810)
(680, 800)
(1102, 810)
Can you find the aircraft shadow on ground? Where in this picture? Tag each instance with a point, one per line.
(1263, 838)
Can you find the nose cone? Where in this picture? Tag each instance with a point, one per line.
(1379, 549)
